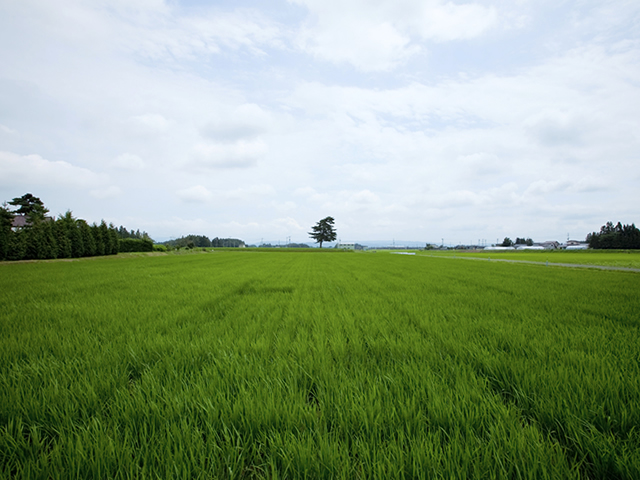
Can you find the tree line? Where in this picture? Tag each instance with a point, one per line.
(192, 241)
(507, 242)
(616, 236)
(27, 233)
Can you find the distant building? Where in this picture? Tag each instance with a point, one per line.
(576, 245)
(346, 246)
(549, 245)
(21, 221)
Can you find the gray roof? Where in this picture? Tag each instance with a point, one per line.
(19, 221)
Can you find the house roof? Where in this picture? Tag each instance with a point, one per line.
(19, 221)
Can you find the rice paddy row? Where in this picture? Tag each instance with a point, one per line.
(617, 258)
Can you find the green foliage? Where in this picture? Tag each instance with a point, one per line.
(122, 232)
(41, 240)
(17, 245)
(43, 237)
(89, 247)
(507, 242)
(193, 241)
(226, 243)
(323, 231)
(615, 237)
(98, 238)
(112, 240)
(605, 258)
(290, 365)
(523, 241)
(158, 247)
(135, 245)
(63, 228)
(6, 218)
(29, 206)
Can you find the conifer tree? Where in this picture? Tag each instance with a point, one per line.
(17, 245)
(5, 231)
(323, 231)
(88, 240)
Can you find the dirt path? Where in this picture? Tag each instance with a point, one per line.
(548, 264)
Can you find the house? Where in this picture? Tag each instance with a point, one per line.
(346, 246)
(21, 221)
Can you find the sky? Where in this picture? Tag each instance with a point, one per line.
(407, 120)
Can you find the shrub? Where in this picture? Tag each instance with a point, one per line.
(135, 245)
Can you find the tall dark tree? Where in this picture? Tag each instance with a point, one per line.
(88, 241)
(29, 206)
(63, 239)
(5, 231)
(112, 240)
(17, 245)
(323, 231)
(41, 240)
(615, 237)
(68, 236)
(98, 238)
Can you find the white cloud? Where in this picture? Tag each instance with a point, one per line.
(382, 35)
(148, 123)
(8, 131)
(543, 187)
(33, 170)
(554, 128)
(128, 161)
(459, 116)
(168, 34)
(249, 193)
(106, 193)
(226, 197)
(240, 154)
(195, 194)
(245, 122)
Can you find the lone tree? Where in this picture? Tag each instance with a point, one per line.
(30, 206)
(323, 231)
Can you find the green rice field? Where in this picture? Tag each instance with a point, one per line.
(618, 258)
(318, 364)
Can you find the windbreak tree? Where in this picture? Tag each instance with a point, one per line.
(88, 240)
(36, 236)
(135, 245)
(41, 240)
(323, 231)
(5, 231)
(615, 237)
